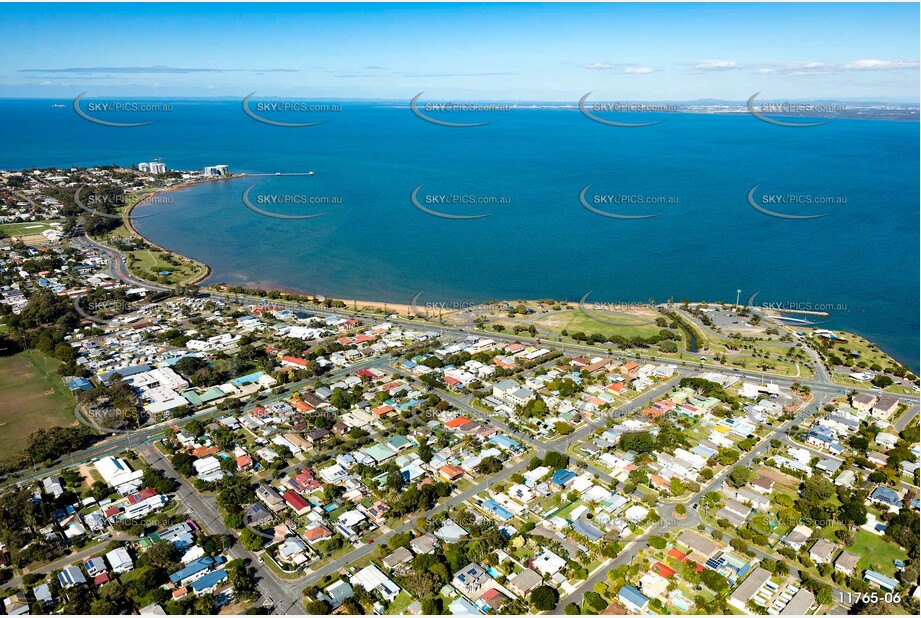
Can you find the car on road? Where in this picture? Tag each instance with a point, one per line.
(370, 541)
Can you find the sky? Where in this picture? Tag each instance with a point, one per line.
(507, 52)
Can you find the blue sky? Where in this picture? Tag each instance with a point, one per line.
(486, 52)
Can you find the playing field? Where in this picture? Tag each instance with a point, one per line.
(607, 323)
(27, 228)
(32, 396)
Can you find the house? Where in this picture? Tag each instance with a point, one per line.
(43, 594)
(470, 579)
(425, 544)
(822, 551)
(702, 549)
(749, 588)
(451, 473)
(846, 479)
(847, 563)
(886, 439)
(208, 583)
(293, 550)
(195, 570)
(548, 563)
(763, 485)
(885, 407)
(16, 605)
(53, 486)
(863, 402)
(398, 557)
(562, 478)
(119, 560)
(887, 497)
(296, 502)
(336, 594)
(270, 497)
(800, 604)
(257, 515)
(95, 566)
(797, 537)
(373, 580)
(878, 579)
(524, 582)
(71, 576)
(754, 499)
(316, 534)
(491, 600)
(631, 598)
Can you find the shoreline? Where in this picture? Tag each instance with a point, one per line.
(358, 304)
(132, 231)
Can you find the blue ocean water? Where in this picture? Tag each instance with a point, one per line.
(539, 241)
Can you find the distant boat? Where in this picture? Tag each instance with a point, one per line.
(58, 105)
(310, 173)
(278, 173)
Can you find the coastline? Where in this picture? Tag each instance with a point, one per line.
(352, 304)
(132, 231)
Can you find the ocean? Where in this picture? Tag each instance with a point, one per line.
(526, 171)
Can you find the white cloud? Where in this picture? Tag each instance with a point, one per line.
(625, 69)
(717, 65)
(880, 65)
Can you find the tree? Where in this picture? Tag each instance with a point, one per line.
(571, 609)
(160, 555)
(489, 465)
(250, 540)
(639, 441)
(876, 608)
(425, 453)
(544, 598)
(595, 601)
(740, 476)
(317, 608)
(817, 489)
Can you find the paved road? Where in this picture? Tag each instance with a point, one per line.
(558, 445)
(60, 563)
(902, 422)
(451, 502)
(283, 596)
(666, 510)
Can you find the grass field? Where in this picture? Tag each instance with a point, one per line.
(27, 228)
(876, 553)
(609, 324)
(32, 396)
